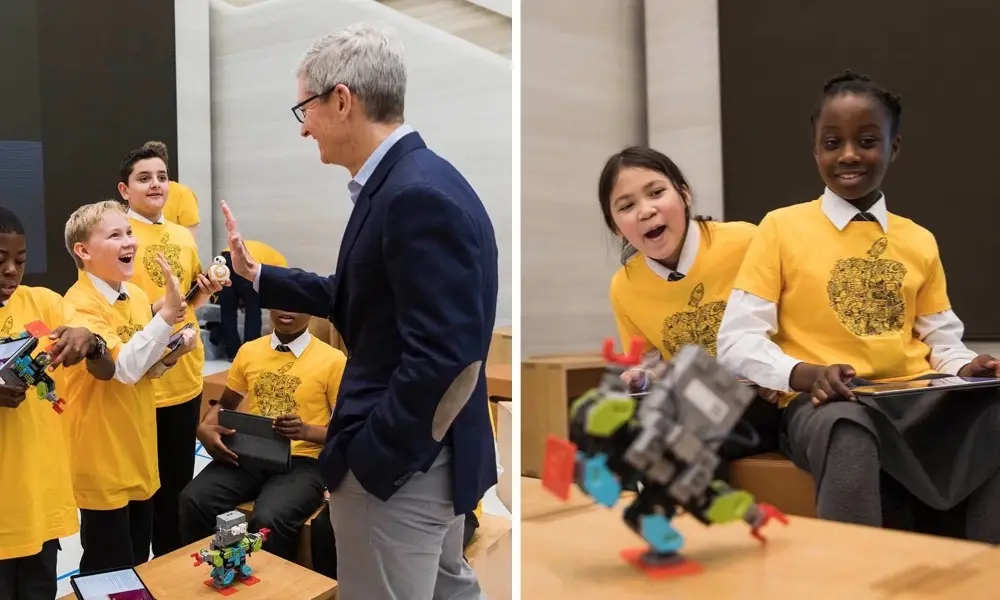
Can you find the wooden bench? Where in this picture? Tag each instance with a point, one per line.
(772, 478)
(304, 555)
(490, 553)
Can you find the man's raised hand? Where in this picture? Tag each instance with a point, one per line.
(244, 264)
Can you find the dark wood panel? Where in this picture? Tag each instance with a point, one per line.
(775, 56)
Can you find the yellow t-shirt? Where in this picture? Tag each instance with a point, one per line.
(37, 503)
(277, 383)
(264, 254)
(181, 206)
(184, 380)
(670, 314)
(848, 296)
(111, 427)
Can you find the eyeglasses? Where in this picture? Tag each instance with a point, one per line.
(299, 110)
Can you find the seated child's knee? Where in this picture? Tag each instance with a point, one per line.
(852, 443)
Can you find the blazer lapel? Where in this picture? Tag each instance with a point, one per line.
(362, 207)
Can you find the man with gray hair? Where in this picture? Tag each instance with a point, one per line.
(409, 449)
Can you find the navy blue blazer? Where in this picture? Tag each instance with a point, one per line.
(414, 297)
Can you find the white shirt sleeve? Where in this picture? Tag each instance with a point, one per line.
(943, 333)
(143, 351)
(745, 346)
(256, 279)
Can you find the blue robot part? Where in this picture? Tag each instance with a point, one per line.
(661, 535)
(599, 482)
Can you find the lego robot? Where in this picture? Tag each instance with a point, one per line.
(30, 370)
(229, 550)
(664, 443)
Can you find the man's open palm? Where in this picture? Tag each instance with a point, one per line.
(244, 264)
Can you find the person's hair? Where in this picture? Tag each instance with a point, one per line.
(160, 148)
(366, 59)
(642, 157)
(84, 221)
(9, 223)
(141, 153)
(849, 82)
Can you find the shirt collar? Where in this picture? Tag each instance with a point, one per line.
(840, 211)
(297, 346)
(110, 294)
(134, 215)
(689, 252)
(355, 185)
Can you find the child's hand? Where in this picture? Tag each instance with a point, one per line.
(180, 317)
(207, 288)
(290, 426)
(983, 365)
(12, 394)
(172, 306)
(825, 384)
(72, 345)
(210, 436)
(636, 378)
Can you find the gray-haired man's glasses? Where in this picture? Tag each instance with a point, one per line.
(299, 110)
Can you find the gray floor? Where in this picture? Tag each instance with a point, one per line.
(69, 558)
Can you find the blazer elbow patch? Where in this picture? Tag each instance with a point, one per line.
(454, 399)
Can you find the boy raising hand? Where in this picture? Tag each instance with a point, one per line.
(111, 425)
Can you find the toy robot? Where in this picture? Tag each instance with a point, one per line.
(31, 370)
(664, 443)
(229, 550)
(218, 271)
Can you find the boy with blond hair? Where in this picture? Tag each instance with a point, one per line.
(111, 425)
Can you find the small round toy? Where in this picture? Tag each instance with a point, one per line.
(219, 271)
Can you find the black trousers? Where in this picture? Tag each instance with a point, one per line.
(175, 438)
(282, 502)
(30, 577)
(113, 539)
(230, 298)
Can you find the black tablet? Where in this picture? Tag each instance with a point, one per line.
(112, 584)
(899, 388)
(256, 443)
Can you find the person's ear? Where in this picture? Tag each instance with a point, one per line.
(342, 98)
(81, 251)
(123, 190)
(894, 148)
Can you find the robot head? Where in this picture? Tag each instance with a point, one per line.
(219, 260)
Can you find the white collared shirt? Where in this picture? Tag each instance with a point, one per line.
(355, 185)
(689, 252)
(134, 215)
(745, 346)
(297, 346)
(147, 345)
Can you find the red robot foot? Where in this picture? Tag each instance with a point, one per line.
(765, 514)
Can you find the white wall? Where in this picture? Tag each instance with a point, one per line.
(458, 98)
(194, 112)
(683, 97)
(582, 99)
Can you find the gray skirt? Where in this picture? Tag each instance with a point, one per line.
(940, 446)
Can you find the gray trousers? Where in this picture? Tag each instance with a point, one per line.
(409, 548)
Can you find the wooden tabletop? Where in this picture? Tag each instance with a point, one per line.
(498, 381)
(574, 553)
(173, 577)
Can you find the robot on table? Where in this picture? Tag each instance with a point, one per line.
(31, 370)
(229, 550)
(665, 443)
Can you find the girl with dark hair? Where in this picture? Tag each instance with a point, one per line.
(677, 268)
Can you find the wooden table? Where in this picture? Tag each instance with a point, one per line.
(572, 552)
(173, 577)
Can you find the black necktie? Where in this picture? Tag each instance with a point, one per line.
(122, 297)
(865, 216)
(283, 348)
(675, 276)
